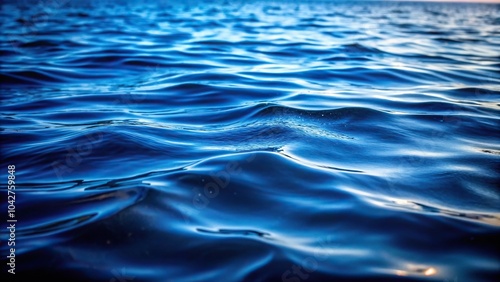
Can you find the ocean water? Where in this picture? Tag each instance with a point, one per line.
(251, 141)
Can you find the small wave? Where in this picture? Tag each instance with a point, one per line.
(267, 142)
(235, 232)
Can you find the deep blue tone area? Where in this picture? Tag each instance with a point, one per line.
(258, 141)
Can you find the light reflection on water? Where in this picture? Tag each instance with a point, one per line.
(295, 141)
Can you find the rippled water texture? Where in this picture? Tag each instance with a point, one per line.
(260, 141)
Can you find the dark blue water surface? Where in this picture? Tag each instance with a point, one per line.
(252, 141)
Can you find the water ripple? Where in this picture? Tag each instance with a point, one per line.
(253, 141)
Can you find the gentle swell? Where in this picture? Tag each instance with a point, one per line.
(238, 141)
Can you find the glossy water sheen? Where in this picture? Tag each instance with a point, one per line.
(279, 141)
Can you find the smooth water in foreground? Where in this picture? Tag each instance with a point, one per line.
(251, 141)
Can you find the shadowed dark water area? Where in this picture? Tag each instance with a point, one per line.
(252, 141)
